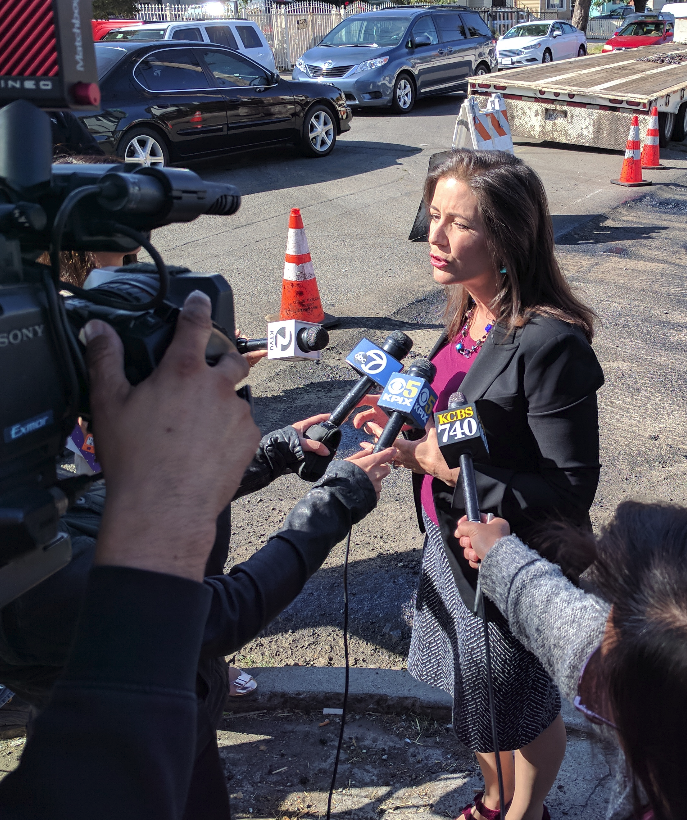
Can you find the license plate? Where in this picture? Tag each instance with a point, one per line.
(507, 60)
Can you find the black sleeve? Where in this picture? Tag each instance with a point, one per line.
(117, 739)
(279, 453)
(256, 591)
(560, 383)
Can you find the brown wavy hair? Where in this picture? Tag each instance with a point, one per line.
(514, 209)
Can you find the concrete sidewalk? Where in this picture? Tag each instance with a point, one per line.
(388, 691)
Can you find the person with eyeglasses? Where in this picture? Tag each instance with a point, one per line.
(617, 648)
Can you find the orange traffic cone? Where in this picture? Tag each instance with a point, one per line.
(650, 152)
(300, 297)
(631, 173)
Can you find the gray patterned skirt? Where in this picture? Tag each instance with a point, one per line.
(447, 651)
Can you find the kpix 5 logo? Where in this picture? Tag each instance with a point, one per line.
(411, 396)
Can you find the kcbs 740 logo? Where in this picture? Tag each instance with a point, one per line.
(460, 429)
(411, 396)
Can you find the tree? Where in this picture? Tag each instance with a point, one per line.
(119, 9)
(580, 15)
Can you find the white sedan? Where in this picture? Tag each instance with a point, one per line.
(540, 42)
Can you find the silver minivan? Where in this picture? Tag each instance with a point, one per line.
(244, 36)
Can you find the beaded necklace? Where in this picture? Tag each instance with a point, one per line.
(468, 351)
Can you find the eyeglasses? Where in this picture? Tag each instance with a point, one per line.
(590, 714)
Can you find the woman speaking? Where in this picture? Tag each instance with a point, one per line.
(517, 343)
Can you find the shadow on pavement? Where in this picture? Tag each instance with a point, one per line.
(279, 167)
(380, 591)
(593, 233)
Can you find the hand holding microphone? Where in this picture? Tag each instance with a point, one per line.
(477, 539)
(375, 365)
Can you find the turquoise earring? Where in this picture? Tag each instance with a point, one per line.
(503, 269)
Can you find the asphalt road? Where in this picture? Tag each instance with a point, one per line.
(358, 207)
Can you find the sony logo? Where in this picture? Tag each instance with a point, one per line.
(21, 83)
(24, 334)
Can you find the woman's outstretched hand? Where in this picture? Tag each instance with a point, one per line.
(376, 465)
(422, 456)
(477, 539)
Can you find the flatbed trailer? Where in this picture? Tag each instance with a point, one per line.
(591, 100)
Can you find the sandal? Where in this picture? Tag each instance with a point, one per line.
(488, 814)
(243, 685)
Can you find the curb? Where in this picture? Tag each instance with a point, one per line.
(389, 691)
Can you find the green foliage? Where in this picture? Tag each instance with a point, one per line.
(119, 9)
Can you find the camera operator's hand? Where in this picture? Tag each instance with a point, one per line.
(477, 539)
(173, 448)
(376, 465)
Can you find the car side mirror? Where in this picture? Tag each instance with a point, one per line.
(556, 34)
(274, 78)
(421, 40)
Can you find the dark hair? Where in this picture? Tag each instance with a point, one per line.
(512, 204)
(641, 569)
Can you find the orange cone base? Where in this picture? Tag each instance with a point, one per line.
(656, 168)
(329, 320)
(631, 184)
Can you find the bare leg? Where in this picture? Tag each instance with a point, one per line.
(536, 768)
(487, 763)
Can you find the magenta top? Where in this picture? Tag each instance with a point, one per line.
(451, 369)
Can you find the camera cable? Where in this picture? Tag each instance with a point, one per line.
(346, 678)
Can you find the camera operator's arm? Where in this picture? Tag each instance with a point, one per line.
(256, 591)
(118, 736)
(280, 453)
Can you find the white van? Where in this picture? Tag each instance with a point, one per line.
(241, 35)
(676, 9)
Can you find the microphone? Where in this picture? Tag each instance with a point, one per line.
(461, 440)
(376, 365)
(289, 340)
(409, 398)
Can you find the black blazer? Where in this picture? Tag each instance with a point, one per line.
(535, 391)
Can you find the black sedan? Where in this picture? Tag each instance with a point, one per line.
(169, 102)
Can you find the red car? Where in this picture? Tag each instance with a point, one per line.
(101, 27)
(646, 32)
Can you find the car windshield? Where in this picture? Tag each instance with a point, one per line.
(136, 34)
(531, 30)
(367, 31)
(643, 28)
(107, 57)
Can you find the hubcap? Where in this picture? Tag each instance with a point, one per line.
(547, 58)
(144, 150)
(669, 126)
(321, 131)
(481, 71)
(404, 94)
(684, 122)
(581, 52)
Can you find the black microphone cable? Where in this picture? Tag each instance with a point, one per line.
(347, 672)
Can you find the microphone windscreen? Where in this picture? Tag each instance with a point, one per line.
(314, 338)
(456, 399)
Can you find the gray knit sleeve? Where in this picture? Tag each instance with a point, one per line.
(555, 620)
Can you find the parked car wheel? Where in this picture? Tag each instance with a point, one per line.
(666, 127)
(581, 51)
(482, 69)
(403, 97)
(319, 132)
(547, 57)
(144, 146)
(680, 131)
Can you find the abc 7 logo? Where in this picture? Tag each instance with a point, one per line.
(396, 386)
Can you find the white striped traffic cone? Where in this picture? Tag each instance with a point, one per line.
(300, 296)
(650, 152)
(631, 173)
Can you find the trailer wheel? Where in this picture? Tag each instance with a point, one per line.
(666, 127)
(680, 131)
(547, 57)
